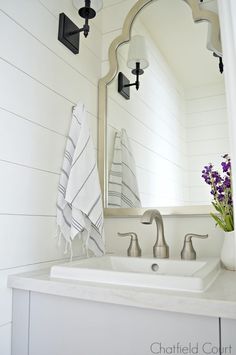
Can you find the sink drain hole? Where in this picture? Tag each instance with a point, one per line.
(155, 267)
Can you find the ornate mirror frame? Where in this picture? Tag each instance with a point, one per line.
(213, 44)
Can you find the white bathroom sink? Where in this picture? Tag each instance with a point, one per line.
(172, 274)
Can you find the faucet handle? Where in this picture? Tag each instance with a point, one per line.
(188, 252)
(128, 234)
(134, 248)
(189, 236)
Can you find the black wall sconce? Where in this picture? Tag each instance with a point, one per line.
(221, 64)
(212, 6)
(137, 61)
(68, 32)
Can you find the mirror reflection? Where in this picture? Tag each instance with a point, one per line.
(159, 139)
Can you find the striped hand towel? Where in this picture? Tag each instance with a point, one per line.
(123, 187)
(79, 204)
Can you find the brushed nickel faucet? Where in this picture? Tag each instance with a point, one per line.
(134, 248)
(160, 248)
(188, 252)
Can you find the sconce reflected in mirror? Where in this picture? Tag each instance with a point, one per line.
(137, 61)
(68, 32)
(211, 5)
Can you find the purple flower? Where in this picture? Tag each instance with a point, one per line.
(221, 191)
(226, 166)
(227, 182)
(216, 176)
(221, 197)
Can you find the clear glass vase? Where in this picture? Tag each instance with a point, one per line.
(228, 251)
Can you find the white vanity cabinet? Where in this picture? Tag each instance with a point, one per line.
(228, 336)
(45, 324)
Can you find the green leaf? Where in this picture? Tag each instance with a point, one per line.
(219, 222)
(216, 206)
(228, 222)
(219, 208)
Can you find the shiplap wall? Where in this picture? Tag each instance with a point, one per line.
(207, 136)
(40, 82)
(154, 119)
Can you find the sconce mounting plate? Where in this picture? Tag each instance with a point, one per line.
(68, 33)
(122, 89)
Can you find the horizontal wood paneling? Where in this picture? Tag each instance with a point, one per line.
(207, 136)
(40, 82)
(61, 78)
(148, 159)
(47, 156)
(204, 104)
(206, 119)
(207, 147)
(161, 190)
(143, 134)
(28, 240)
(211, 132)
(18, 136)
(197, 92)
(27, 191)
(33, 101)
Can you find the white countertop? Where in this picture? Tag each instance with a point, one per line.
(217, 301)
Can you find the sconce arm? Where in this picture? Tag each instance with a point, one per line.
(137, 71)
(137, 84)
(84, 29)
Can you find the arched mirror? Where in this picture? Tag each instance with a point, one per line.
(175, 123)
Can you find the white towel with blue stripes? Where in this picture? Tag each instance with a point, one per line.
(123, 186)
(79, 203)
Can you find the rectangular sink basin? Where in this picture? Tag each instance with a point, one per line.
(171, 274)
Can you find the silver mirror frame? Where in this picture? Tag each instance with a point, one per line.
(198, 15)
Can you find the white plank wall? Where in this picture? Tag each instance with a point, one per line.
(40, 82)
(207, 136)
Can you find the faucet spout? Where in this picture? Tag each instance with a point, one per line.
(160, 248)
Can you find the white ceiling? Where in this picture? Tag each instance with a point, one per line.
(182, 42)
